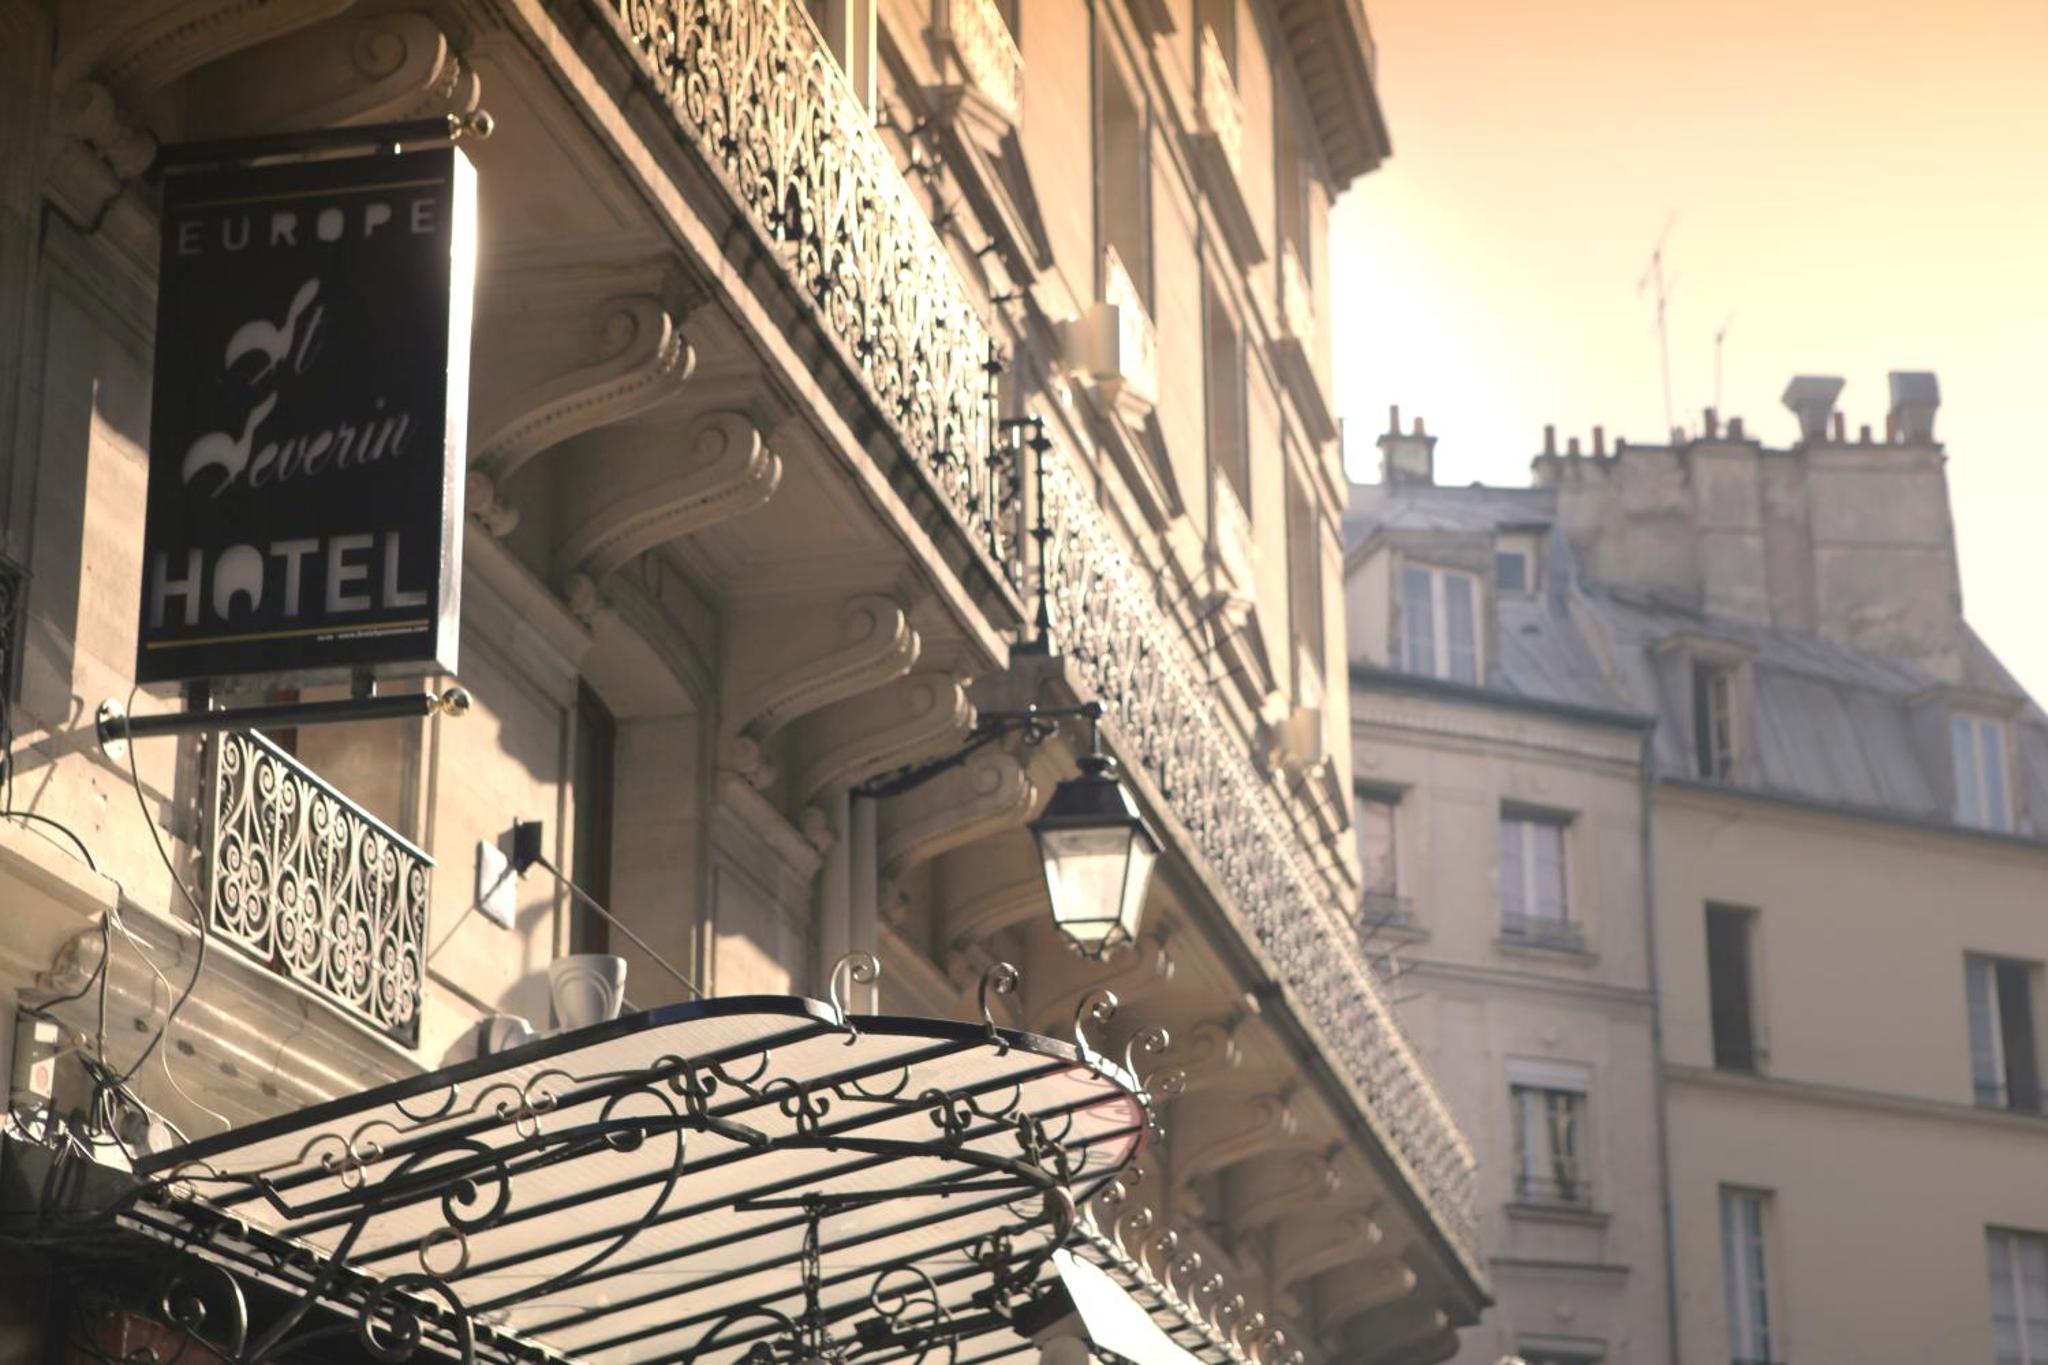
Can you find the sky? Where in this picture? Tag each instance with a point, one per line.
(1845, 188)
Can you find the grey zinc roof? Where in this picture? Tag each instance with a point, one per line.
(1829, 724)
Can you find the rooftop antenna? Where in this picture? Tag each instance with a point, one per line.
(1720, 337)
(1655, 276)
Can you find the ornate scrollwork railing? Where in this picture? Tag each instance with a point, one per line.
(309, 883)
(1104, 621)
(769, 111)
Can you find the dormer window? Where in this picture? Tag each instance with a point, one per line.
(1978, 747)
(1440, 623)
(1713, 721)
(1514, 564)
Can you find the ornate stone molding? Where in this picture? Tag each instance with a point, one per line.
(1209, 1052)
(784, 662)
(367, 70)
(917, 716)
(95, 147)
(137, 47)
(549, 373)
(987, 793)
(627, 495)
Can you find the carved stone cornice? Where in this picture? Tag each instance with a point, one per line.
(370, 69)
(550, 368)
(635, 487)
(987, 793)
(785, 662)
(915, 717)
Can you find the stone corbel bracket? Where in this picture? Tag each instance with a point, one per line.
(1216, 1131)
(1353, 1291)
(1285, 1185)
(95, 147)
(787, 662)
(991, 791)
(1304, 1246)
(1209, 1052)
(918, 716)
(1132, 974)
(549, 368)
(637, 486)
(370, 69)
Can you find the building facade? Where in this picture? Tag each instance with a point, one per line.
(1841, 868)
(847, 379)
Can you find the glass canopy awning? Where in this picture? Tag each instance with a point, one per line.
(758, 1180)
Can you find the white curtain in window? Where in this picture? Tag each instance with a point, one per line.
(1977, 748)
(1744, 1276)
(1418, 622)
(2019, 1297)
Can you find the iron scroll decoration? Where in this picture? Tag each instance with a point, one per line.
(427, 1222)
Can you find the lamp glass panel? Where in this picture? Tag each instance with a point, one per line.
(1086, 872)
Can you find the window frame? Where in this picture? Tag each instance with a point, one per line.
(1716, 757)
(1745, 1333)
(1528, 925)
(1986, 735)
(1439, 664)
(2018, 1094)
(1390, 902)
(1542, 1094)
(1746, 919)
(2016, 1240)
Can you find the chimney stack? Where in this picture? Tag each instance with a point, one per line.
(1599, 440)
(1841, 426)
(1916, 394)
(1712, 424)
(1735, 430)
(1812, 399)
(1407, 458)
(1549, 438)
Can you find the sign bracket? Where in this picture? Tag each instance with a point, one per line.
(114, 727)
(223, 151)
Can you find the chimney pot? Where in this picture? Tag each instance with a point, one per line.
(1549, 438)
(1406, 458)
(1916, 396)
(1394, 418)
(1713, 423)
(1599, 440)
(1419, 430)
(1863, 434)
(1812, 399)
(1735, 429)
(1840, 423)
(1572, 446)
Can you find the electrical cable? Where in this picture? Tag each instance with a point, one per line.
(580, 894)
(191, 901)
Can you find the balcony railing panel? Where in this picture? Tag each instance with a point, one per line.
(313, 886)
(755, 91)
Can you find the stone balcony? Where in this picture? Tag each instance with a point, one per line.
(753, 93)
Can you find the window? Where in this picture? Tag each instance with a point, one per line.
(1440, 623)
(590, 848)
(1549, 1136)
(1713, 721)
(1730, 987)
(1225, 394)
(2019, 1296)
(1745, 1278)
(2004, 1069)
(1123, 175)
(1532, 890)
(1977, 744)
(1304, 578)
(1372, 824)
(1511, 570)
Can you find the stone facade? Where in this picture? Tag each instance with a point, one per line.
(844, 374)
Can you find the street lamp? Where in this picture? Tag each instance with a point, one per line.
(1098, 857)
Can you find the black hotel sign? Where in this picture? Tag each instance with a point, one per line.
(306, 434)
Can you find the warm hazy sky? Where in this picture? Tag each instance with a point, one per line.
(1861, 186)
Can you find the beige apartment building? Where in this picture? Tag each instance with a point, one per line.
(1845, 863)
(847, 380)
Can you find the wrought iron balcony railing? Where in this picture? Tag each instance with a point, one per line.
(314, 886)
(1542, 931)
(750, 87)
